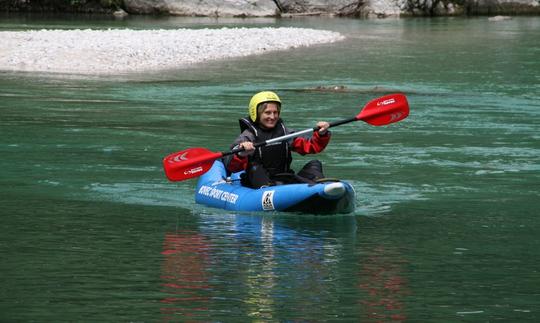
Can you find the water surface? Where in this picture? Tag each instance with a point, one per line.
(445, 225)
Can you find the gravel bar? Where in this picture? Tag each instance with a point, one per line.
(120, 51)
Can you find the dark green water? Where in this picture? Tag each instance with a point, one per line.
(446, 226)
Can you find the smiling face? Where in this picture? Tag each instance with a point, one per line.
(269, 116)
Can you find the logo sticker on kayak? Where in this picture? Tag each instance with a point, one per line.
(268, 200)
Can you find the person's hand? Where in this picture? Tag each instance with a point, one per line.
(249, 149)
(323, 127)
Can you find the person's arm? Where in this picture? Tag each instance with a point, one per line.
(238, 162)
(316, 143)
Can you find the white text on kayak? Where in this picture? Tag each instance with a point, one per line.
(218, 194)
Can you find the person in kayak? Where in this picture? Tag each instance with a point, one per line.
(271, 164)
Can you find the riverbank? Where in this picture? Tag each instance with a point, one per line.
(279, 8)
(123, 51)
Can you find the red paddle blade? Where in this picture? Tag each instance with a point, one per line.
(189, 163)
(385, 110)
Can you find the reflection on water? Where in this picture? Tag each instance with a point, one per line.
(249, 267)
(384, 284)
(262, 278)
(184, 275)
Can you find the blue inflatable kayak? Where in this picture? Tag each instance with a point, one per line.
(216, 190)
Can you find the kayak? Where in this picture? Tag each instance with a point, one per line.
(216, 189)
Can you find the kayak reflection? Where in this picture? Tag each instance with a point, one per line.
(184, 274)
(273, 268)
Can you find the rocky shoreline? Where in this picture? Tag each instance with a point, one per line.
(281, 8)
(110, 52)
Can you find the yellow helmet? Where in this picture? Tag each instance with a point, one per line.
(261, 97)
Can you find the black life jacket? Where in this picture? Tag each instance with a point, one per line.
(276, 158)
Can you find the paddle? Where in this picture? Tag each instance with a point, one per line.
(193, 162)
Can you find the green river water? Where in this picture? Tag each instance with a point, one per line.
(445, 228)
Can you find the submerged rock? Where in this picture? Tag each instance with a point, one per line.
(343, 88)
(499, 18)
(332, 88)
